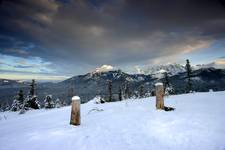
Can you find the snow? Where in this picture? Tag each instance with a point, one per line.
(196, 124)
(157, 70)
(141, 79)
(75, 98)
(162, 71)
(104, 68)
(158, 84)
(129, 79)
(5, 81)
(196, 78)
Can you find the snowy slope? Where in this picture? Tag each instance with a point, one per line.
(172, 69)
(198, 123)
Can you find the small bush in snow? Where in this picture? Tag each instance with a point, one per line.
(49, 103)
(16, 105)
(99, 100)
(58, 103)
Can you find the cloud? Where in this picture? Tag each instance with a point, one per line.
(20, 66)
(29, 65)
(104, 68)
(222, 57)
(220, 62)
(29, 76)
(83, 34)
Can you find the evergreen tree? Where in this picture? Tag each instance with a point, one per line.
(21, 100)
(49, 103)
(71, 93)
(32, 88)
(31, 100)
(148, 94)
(15, 105)
(127, 91)
(189, 71)
(1, 107)
(166, 80)
(120, 94)
(168, 89)
(141, 92)
(6, 107)
(18, 101)
(110, 90)
(63, 103)
(21, 96)
(58, 103)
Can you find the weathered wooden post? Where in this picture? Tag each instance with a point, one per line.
(159, 96)
(75, 111)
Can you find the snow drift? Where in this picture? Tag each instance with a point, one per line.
(198, 123)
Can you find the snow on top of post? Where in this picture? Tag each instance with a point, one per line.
(75, 98)
(158, 84)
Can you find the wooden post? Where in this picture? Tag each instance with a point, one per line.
(159, 96)
(75, 111)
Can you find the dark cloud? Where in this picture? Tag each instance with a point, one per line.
(222, 57)
(23, 66)
(83, 33)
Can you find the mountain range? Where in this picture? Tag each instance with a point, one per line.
(95, 83)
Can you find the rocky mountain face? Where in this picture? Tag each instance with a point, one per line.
(172, 69)
(96, 83)
(92, 84)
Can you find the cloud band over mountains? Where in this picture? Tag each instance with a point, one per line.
(79, 34)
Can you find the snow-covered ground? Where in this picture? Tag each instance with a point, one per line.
(198, 123)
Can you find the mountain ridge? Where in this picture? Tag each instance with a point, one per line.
(91, 84)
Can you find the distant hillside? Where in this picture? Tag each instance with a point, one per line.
(96, 83)
(172, 69)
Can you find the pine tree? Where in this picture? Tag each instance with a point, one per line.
(1, 108)
(32, 88)
(141, 92)
(110, 90)
(166, 80)
(6, 106)
(15, 105)
(168, 89)
(49, 103)
(71, 93)
(189, 72)
(18, 101)
(20, 96)
(127, 91)
(148, 94)
(21, 100)
(58, 103)
(120, 94)
(32, 101)
(63, 103)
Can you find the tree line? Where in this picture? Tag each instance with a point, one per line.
(22, 103)
(125, 93)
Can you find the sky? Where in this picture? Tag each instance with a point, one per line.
(57, 39)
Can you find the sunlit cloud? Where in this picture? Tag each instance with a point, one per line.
(39, 77)
(77, 36)
(104, 68)
(20, 64)
(220, 61)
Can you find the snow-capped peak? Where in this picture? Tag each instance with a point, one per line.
(162, 71)
(104, 68)
(171, 69)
